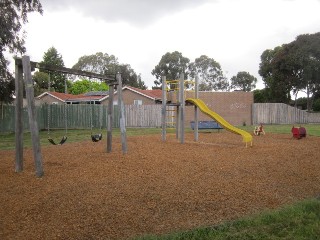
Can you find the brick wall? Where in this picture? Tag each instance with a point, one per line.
(234, 107)
(129, 97)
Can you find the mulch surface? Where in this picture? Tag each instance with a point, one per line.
(157, 188)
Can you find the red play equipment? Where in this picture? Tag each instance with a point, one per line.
(299, 132)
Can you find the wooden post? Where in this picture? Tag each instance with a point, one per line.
(122, 116)
(177, 120)
(196, 110)
(32, 116)
(19, 116)
(182, 105)
(110, 119)
(163, 110)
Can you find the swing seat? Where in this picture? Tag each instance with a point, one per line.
(63, 140)
(96, 137)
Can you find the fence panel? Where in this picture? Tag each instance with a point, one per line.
(83, 116)
(280, 113)
(143, 115)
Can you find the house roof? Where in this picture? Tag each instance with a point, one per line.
(63, 97)
(100, 96)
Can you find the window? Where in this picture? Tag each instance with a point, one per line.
(137, 102)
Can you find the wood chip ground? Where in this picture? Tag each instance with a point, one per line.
(156, 188)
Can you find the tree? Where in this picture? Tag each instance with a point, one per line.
(171, 65)
(293, 67)
(243, 81)
(41, 82)
(57, 80)
(260, 96)
(130, 78)
(13, 14)
(105, 64)
(277, 90)
(210, 74)
(85, 85)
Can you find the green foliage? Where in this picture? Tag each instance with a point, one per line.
(260, 96)
(292, 67)
(210, 74)
(171, 65)
(41, 80)
(243, 81)
(105, 64)
(13, 14)
(278, 88)
(316, 105)
(84, 85)
(57, 80)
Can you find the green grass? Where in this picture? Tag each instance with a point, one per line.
(7, 140)
(298, 221)
(312, 129)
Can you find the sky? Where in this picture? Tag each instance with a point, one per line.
(139, 32)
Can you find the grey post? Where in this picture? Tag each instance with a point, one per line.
(122, 115)
(196, 110)
(110, 119)
(32, 115)
(19, 116)
(182, 106)
(163, 110)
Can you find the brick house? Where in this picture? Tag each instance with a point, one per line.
(235, 107)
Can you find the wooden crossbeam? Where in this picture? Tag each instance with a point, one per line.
(108, 79)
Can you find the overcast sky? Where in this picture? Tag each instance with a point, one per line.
(140, 32)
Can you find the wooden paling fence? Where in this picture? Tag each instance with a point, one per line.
(280, 113)
(84, 116)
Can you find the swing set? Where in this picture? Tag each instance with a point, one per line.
(64, 138)
(23, 69)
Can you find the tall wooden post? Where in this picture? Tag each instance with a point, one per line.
(196, 110)
(110, 119)
(19, 116)
(122, 115)
(181, 108)
(163, 110)
(32, 115)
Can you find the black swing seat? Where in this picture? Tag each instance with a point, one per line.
(96, 137)
(63, 140)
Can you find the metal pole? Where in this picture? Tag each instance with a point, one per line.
(196, 110)
(163, 110)
(182, 105)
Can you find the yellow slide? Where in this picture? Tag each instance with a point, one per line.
(247, 137)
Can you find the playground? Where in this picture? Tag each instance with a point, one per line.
(156, 188)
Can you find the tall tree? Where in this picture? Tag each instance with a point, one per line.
(57, 80)
(13, 14)
(243, 81)
(103, 63)
(210, 74)
(277, 90)
(293, 67)
(171, 65)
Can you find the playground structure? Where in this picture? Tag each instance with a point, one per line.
(298, 132)
(23, 69)
(179, 87)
